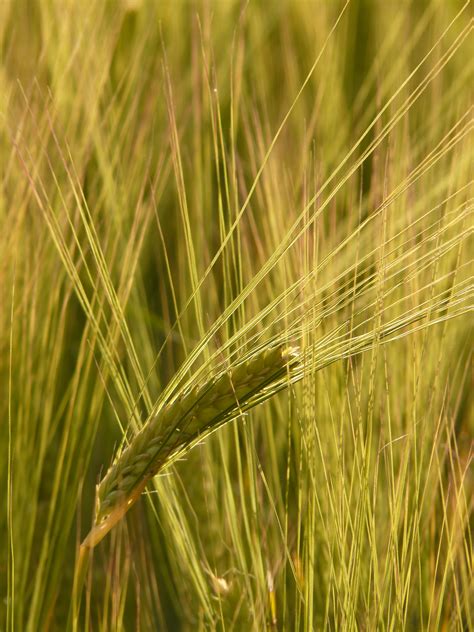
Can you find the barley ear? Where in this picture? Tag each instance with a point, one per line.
(182, 423)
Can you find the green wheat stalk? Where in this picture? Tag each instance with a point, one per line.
(183, 422)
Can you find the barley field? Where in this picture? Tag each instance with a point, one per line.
(236, 289)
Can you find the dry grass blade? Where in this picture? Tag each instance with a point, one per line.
(183, 422)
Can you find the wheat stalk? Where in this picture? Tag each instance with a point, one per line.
(182, 423)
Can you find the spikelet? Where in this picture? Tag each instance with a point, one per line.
(183, 422)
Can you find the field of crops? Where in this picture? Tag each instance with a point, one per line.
(236, 290)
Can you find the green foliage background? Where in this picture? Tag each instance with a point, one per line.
(162, 161)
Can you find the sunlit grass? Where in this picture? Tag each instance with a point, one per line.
(181, 187)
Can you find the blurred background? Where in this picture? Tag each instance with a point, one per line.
(297, 170)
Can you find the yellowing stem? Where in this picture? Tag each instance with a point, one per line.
(100, 530)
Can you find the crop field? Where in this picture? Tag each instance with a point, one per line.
(236, 291)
